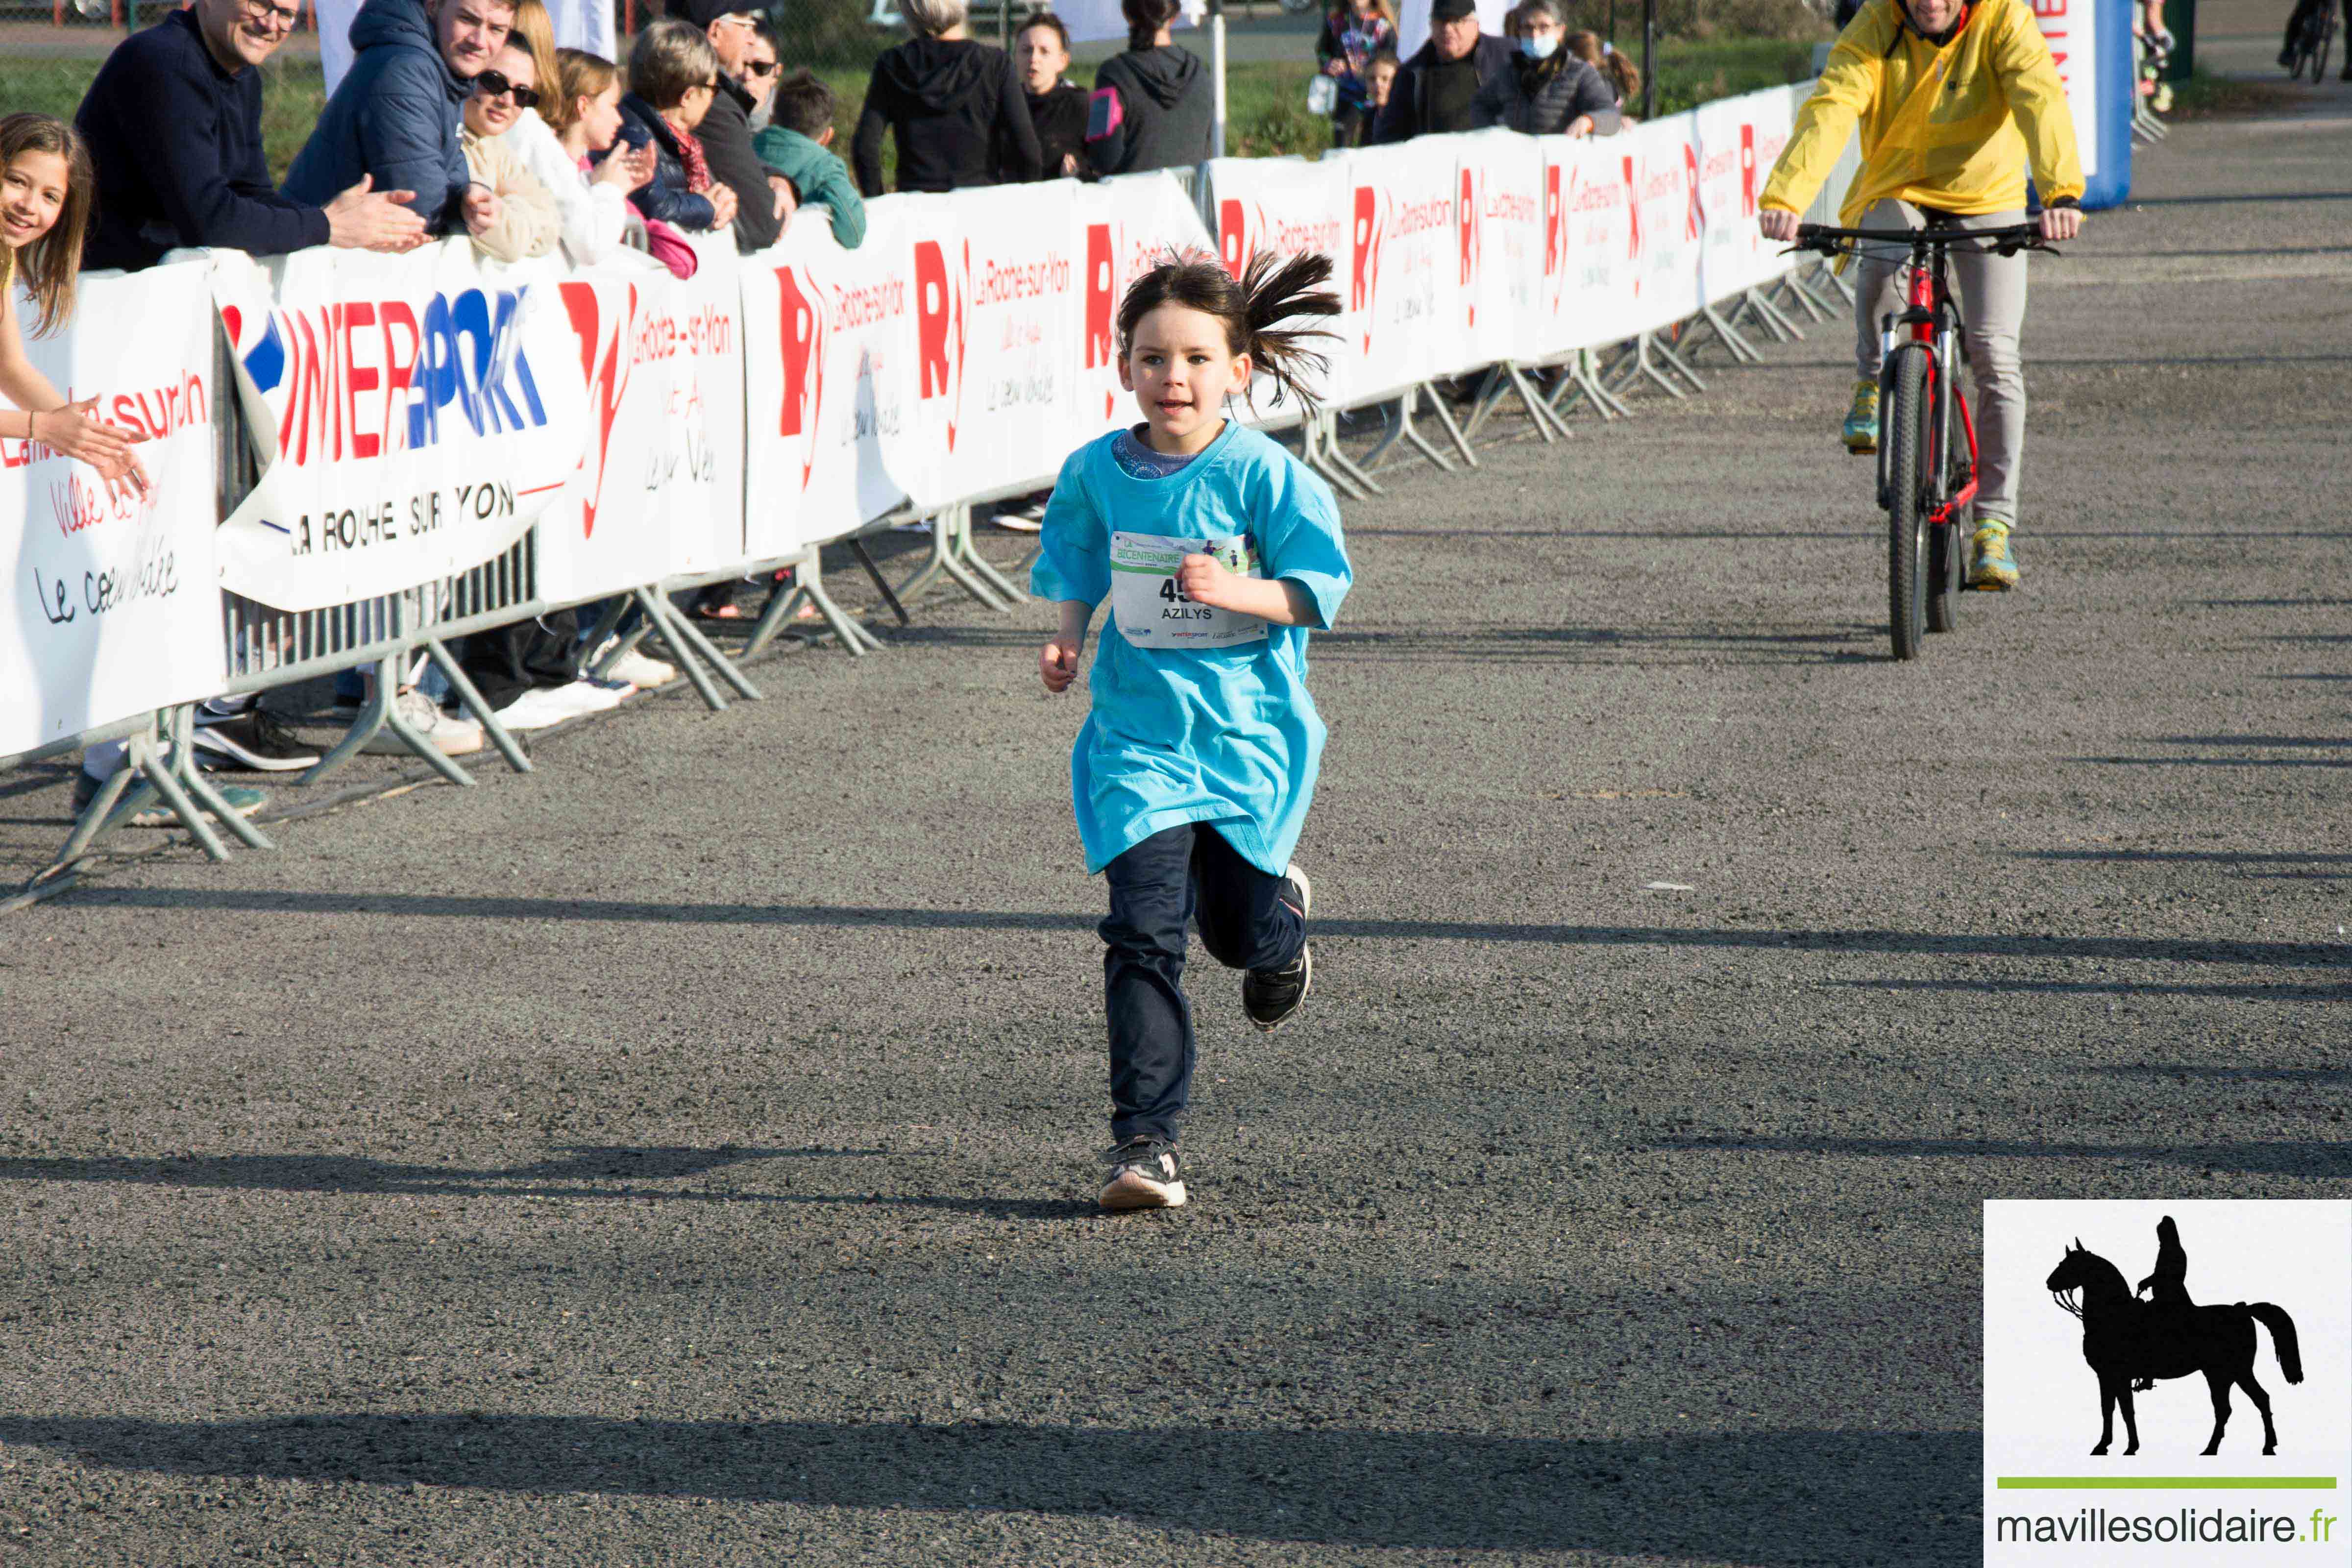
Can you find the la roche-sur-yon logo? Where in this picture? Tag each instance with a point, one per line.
(2212, 1337)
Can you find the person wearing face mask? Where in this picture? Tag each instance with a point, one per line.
(1438, 89)
(1953, 101)
(1548, 91)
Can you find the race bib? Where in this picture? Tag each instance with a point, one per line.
(1152, 611)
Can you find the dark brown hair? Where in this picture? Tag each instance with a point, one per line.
(47, 268)
(1146, 17)
(1272, 289)
(803, 103)
(1051, 23)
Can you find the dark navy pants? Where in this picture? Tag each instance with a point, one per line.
(1171, 880)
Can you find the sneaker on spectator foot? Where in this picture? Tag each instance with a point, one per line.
(639, 671)
(542, 706)
(254, 740)
(1145, 1173)
(1271, 996)
(241, 800)
(449, 735)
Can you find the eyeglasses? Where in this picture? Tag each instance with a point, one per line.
(760, 67)
(492, 84)
(272, 18)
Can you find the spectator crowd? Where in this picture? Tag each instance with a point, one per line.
(462, 117)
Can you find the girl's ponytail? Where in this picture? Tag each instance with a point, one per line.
(1272, 289)
(1145, 18)
(1279, 288)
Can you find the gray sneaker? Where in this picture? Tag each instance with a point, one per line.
(1145, 1173)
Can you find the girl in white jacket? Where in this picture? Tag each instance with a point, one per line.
(578, 114)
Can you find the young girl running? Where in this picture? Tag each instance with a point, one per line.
(1218, 550)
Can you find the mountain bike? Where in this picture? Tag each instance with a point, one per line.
(1926, 435)
(2312, 40)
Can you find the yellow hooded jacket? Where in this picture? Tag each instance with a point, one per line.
(1950, 128)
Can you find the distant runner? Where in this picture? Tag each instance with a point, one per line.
(1953, 101)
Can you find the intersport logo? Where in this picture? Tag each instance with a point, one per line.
(367, 377)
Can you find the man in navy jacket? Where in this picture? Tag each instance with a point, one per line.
(1437, 91)
(173, 123)
(394, 118)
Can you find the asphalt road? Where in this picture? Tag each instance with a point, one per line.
(682, 1154)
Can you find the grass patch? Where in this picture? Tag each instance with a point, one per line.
(2203, 97)
(1266, 100)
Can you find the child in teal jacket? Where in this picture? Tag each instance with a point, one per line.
(793, 144)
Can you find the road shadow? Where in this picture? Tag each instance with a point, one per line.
(852, 917)
(2315, 1162)
(2217, 856)
(2316, 1077)
(1833, 1497)
(2111, 988)
(590, 1175)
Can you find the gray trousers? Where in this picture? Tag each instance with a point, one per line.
(1992, 291)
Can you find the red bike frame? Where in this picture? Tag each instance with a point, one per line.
(1925, 320)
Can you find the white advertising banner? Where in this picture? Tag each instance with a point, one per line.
(1125, 228)
(1591, 280)
(1499, 221)
(113, 608)
(1740, 140)
(413, 415)
(1403, 274)
(694, 336)
(1022, 275)
(827, 336)
(608, 528)
(1290, 208)
(1663, 157)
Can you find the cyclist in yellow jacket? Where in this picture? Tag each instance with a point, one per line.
(1953, 101)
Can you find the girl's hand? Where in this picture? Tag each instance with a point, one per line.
(1058, 663)
(721, 198)
(1335, 67)
(106, 447)
(1204, 581)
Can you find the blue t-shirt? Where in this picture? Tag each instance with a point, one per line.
(1223, 736)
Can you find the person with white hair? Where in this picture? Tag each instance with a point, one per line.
(956, 108)
(1546, 91)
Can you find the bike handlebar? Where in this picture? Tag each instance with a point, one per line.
(2005, 241)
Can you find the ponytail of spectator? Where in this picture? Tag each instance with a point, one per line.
(534, 33)
(1146, 20)
(47, 268)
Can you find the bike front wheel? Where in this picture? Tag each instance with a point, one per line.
(1904, 411)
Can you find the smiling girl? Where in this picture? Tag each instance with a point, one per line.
(45, 197)
(1218, 550)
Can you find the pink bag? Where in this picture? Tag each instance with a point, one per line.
(670, 247)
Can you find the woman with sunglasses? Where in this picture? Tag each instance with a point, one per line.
(575, 121)
(527, 224)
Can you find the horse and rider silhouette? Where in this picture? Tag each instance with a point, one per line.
(2130, 1343)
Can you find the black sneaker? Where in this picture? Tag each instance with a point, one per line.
(1145, 1173)
(1271, 996)
(254, 740)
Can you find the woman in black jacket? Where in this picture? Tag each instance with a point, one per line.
(1058, 108)
(1153, 106)
(1547, 91)
(956, 108)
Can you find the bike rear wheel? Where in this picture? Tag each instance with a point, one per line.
(1903, 425)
